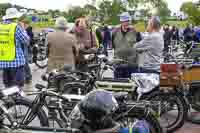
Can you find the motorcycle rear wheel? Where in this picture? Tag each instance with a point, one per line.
(171, 99)
(140, 113)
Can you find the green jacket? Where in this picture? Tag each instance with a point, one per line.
(123, 44)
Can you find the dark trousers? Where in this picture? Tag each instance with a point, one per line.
(13, 76)
(27, 69)
(166, 46)
(105, 46)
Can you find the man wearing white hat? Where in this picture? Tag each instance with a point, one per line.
(12, 39)
(123, 39)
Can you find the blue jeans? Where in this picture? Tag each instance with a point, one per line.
(13, 76)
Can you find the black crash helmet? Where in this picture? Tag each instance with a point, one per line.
(98, 104)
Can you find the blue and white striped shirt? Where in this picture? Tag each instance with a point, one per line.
(21, 39)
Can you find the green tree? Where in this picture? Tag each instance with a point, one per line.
(163, 11)
(109, 11)
(57, 12)
(51, 13)
(192, 11)
(3, 8)
(90, 9)
(137, 3)
(64, 14)
(75, 12)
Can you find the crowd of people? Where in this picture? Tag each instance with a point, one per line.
(172, 33)
(67, 48)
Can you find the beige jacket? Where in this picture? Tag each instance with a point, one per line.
(63, 49)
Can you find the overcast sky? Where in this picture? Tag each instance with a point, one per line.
(174, 5)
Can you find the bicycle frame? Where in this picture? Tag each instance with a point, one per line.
(40, 101)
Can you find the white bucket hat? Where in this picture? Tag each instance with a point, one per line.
(12, 13)
(125, 16)
(3, 18)
(61, 22)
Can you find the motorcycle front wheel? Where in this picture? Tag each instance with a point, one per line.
(18, 108)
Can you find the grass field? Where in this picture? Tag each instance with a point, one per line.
(140, 26)
(180, 24)
(43, 24)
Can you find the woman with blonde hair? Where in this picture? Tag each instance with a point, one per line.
(86, 39)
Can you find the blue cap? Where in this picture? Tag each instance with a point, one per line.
(125, 16)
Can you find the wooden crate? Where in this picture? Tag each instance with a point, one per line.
(170, 75)
(170, 79)
(192, 74)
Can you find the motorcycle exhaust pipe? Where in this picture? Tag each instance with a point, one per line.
(50, 129)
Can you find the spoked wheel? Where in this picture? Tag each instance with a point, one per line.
(173, 112)
(139, 117)
(18, 109)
